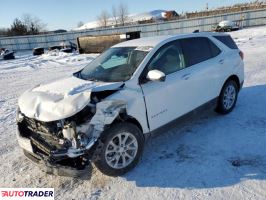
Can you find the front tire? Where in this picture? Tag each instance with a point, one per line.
(228, 97)
(120, 150)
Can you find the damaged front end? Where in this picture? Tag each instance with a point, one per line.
(66, 147)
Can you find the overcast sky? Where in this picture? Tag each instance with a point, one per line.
(65, 14)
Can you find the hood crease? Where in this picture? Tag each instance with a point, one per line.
(60, 99)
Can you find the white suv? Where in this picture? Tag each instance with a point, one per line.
(102, 113)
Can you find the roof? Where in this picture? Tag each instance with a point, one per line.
(145, 41)
(153, 41)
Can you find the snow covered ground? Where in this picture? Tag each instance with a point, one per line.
(191, 161)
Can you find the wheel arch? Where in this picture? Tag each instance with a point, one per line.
(134, 121)
(219, 108)
(233, 78)
(127, 118)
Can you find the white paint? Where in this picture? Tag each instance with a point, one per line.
(155, 75)
(60, 99)
(106, 113)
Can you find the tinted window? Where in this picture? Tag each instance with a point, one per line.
(228, 41)
(168, 59)
(214, 49)
(196, 50)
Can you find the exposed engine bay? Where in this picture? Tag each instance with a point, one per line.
(69, 142)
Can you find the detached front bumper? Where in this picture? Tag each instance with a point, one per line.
(59, 170)
(52, 167)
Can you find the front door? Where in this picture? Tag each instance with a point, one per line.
(186, 87)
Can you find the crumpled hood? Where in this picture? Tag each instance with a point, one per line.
(60, 99)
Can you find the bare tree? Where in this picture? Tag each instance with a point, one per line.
(26, 19)
(122, 13)
(103, 18)
(34, 24)
(115, 15)
(80, 23)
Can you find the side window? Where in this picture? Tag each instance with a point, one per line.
(227, 40)
(168, 59)
(214, 49)
(198, 49)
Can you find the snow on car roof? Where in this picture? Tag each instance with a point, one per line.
(153, 41)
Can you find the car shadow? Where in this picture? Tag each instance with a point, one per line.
(210, 150)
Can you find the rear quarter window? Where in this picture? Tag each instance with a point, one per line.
(227, 40)
(215, 50)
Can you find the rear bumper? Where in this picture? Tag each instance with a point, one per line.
(48, 167)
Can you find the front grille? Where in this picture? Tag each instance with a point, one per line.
(41, 146)
(43, 127)
(44, 136)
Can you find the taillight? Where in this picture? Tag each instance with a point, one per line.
(241, 54)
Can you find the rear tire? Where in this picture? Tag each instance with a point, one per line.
(228, 97)
(119, 150)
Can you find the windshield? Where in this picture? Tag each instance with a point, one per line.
(114, 65)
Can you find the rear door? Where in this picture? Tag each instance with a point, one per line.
(232, 62)
(205, 62)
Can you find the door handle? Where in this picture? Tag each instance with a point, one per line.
(221, 61)
(186, 76)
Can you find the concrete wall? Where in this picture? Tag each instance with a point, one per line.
(251, 18)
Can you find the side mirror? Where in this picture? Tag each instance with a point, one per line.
(155, 75)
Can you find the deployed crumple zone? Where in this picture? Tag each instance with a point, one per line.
(79, 138)
(106, 113)
(74, 135)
